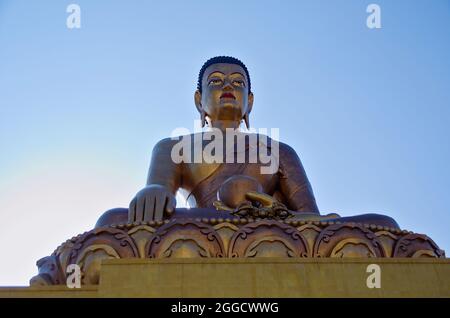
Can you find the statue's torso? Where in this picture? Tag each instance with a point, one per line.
(203, 180)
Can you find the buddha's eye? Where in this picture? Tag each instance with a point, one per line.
(239, 83)
(215, 81)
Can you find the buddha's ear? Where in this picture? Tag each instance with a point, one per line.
(249, 109)
(198, 101)
(198, 104)
(250, 102)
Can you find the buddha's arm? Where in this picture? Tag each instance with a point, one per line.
(163, 170)
(158, 197)
(294, 183)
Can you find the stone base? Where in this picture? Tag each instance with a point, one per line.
(257, 277)
(228, 238)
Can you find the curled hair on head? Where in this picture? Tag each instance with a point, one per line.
(222, 59)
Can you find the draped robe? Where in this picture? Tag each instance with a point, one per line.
(288, 183)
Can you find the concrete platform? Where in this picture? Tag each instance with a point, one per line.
(258, 277)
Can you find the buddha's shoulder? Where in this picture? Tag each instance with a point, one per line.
(285, 148)
(272, 143)
(169, 142)
(165, 143)
(284, 151)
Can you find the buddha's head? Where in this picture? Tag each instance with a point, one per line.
(223, 91)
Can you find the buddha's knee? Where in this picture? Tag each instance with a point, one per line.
(371, 218)
(381, 220)
(113, 216)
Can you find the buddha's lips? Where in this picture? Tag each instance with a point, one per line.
(227, 95)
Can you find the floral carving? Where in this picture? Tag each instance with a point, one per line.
(216, 237)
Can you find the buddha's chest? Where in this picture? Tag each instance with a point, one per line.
(213, 174)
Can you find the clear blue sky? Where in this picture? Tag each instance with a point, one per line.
(368, 111)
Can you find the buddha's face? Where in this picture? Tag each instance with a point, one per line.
(225, 94)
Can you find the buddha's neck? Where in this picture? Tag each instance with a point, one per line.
(224, 124)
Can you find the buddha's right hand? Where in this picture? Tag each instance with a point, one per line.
(151, 203)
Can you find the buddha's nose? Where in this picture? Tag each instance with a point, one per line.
(227, 86)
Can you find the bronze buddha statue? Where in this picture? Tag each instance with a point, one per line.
(242, 205)
(224, 99)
